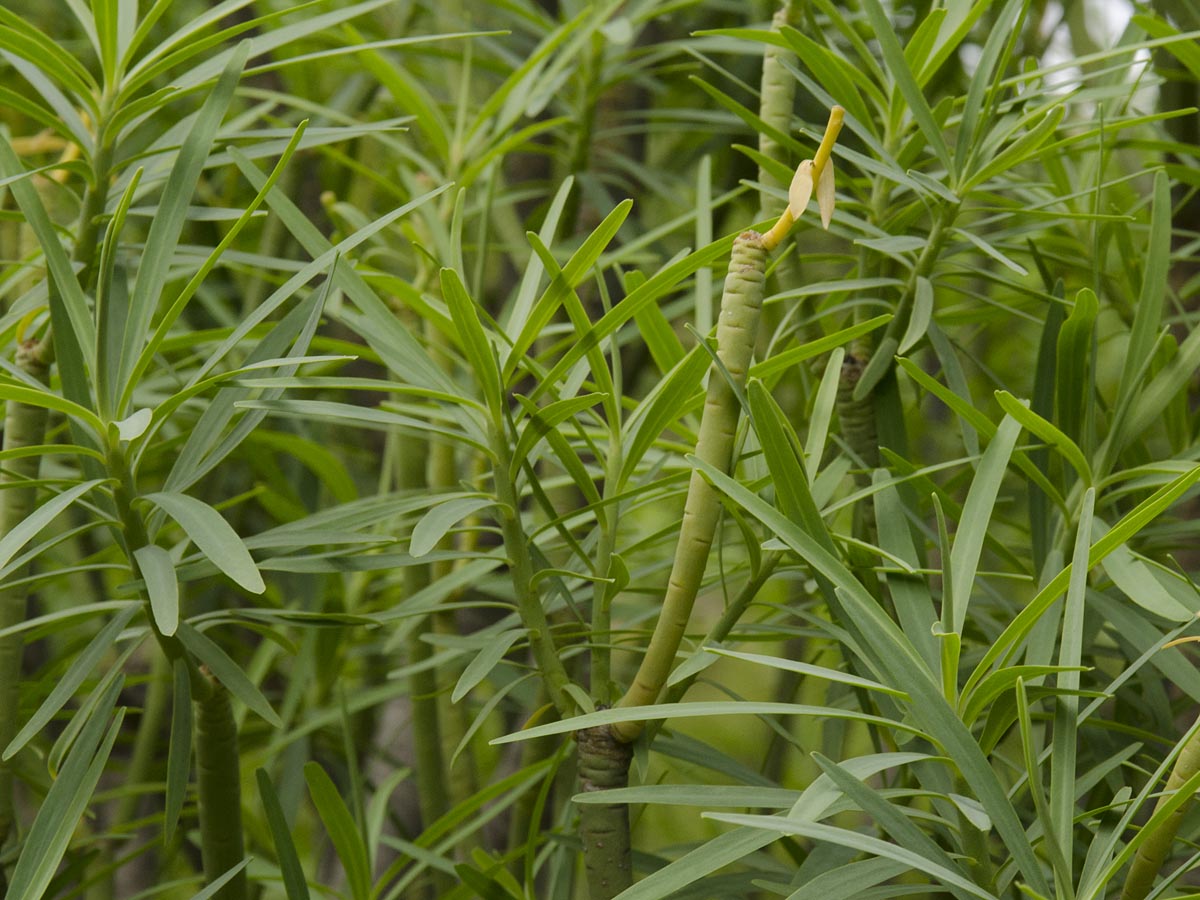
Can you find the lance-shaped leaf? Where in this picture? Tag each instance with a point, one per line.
(213, 536)
(801, 188)
(825, 194)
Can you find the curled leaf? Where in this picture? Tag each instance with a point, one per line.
(825, 197)
(800, 191)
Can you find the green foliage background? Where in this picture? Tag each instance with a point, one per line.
(353, 362)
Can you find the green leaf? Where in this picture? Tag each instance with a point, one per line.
(823, 408)
(1132, 523)
(1043, 429)
(69, 795)
(486, 660)
(781, 451)
(898, 68)
(434, 525)
(902, 829)
(1134, 579)
(981, 423)
(47, 400)
(1147, 317)
(339, 824)
(670, 399)
(859, 842)
(473, 340)
(179, 303)
(653, 288)
(562, 282)
(1020, 150)
(788, 358)
(19, 37)
(294, 883)
(849, 882)
(834, 73)
(981, 93)
(158, 571)
(167, 225)
(1185, 51)
(803, 668)
(13, 542)
(899, 665)
(540, 422)
(65, 687)
(697, 710)
(212, 535)
(1065, 749)
(910, 593)
(67, 300)
(226, 671)
(660, 338)
(1074, 365)
(922, 312)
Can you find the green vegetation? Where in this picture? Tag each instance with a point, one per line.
(393, 504)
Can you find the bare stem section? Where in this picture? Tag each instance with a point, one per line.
(604, 827)
(218, 784)
(775, 108)
(737, 329)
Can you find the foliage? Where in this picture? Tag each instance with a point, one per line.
(354, 370)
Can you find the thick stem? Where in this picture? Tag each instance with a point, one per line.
(857, 417)
(24, 426)
(1149, 859)
(775, 108)
(737, 328)
(730, 617)
(219, 790)
(604, 827)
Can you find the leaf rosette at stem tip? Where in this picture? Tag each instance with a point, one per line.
(814, 174)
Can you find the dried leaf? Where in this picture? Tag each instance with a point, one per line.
(801, 189)
(825, 194)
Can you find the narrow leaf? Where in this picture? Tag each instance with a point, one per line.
(212, 536)
(226, 671)
(158, 571)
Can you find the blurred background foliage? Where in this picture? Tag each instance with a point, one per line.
(309, 376)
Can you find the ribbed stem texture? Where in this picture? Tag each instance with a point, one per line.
(737, 329)
(1150, 856)
(219, 790)
(604, 827)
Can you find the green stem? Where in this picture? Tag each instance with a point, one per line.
(602, 596)
(529, 603)
(857, 417)
(737, 329)
(219, 790)
(938, 233)
(1150, 856)
(778, 98)
(604, 827)
(731, 615)
(24, 426)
